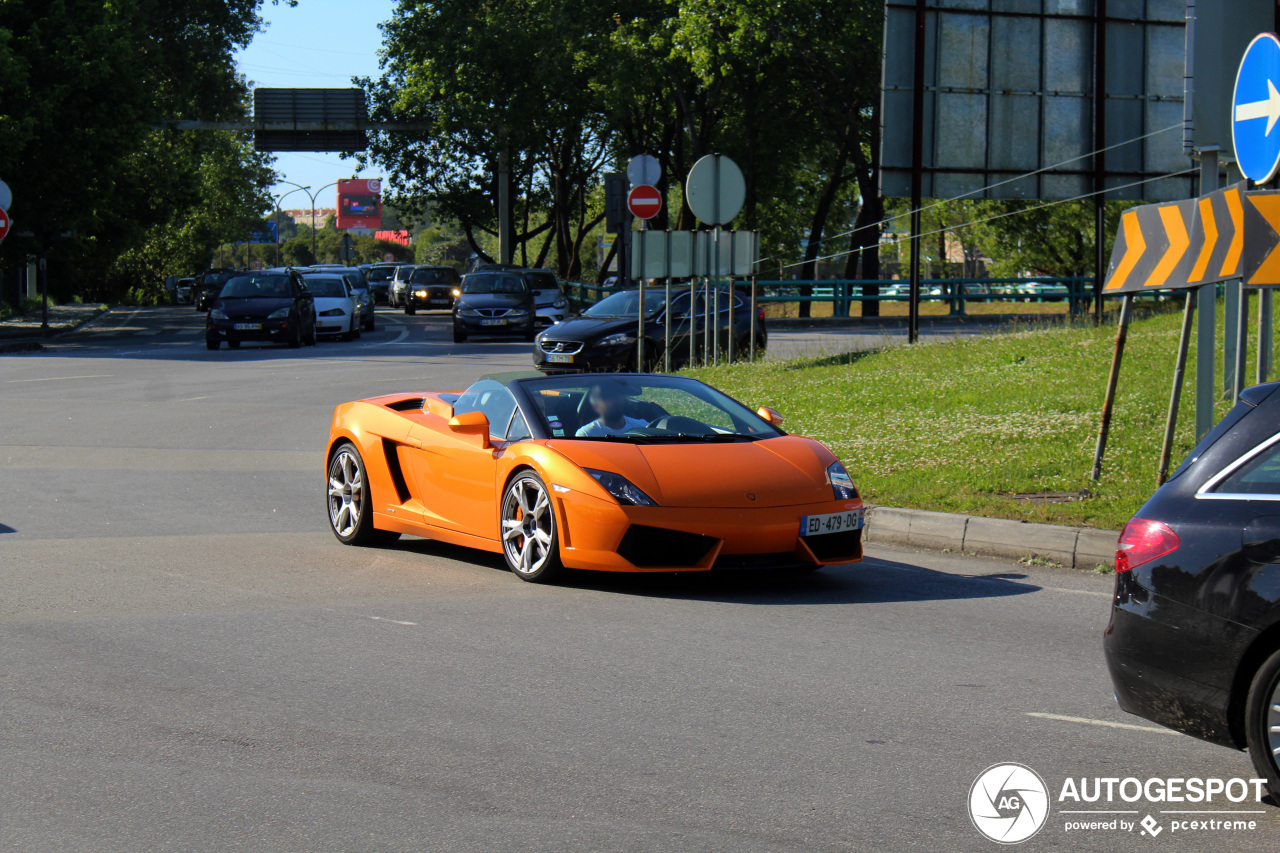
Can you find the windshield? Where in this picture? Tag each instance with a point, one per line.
(257, 287)
(542, 280)
(624, 304)
(431, 277)
(381, 273)
(325, 286)
(494, 283)
(642, 410)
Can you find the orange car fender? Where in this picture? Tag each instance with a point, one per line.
(553, 468)
(365, 425)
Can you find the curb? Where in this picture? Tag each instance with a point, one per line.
(1073, 547)
(32, 343)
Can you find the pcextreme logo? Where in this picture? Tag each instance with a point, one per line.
(1009, 803)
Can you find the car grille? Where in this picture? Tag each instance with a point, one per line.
(646, 546)
(836, 546)
(493, 312)
(567, 347)
(786, 560)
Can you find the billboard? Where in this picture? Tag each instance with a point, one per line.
(360, 203)
(1009, 92)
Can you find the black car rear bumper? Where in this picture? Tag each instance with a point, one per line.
(1175, 665)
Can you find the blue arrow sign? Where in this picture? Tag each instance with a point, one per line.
(1255, 109)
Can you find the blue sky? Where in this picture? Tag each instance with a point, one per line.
(321, 43)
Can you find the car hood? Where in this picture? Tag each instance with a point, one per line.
(328, 303)
(783, 471)
(257, 307)
(589, 328)
(492, 300)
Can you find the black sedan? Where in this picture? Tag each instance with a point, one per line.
(262, 306)
(1194, 637)
(604, 336)
(493, 303)
(431, 287)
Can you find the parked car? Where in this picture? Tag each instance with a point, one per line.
(380, 277)
(431, 287)
(1194, 637)
(338, 311)
(497, 302)
(270, 305)
(399, 283)
(621, 473)
(552, 305)
(604, 336)
(208, 284)
(183, 289)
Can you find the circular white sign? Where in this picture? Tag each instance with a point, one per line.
(1008, 803)
(715, 189)
(6, 196)
(643, 169)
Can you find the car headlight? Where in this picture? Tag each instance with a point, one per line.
(217, 314)
(841, 483)
(421, 294)
(625, 491)
(468, 312)
(560, 303)
(617, 340)
(456, 293)
(279, 314)
(332, 312)
(517, 312)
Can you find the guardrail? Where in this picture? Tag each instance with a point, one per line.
(843, 293)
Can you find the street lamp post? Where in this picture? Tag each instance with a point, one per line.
(313, 217)
(279, 199)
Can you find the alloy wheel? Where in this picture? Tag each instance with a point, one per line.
(528, 526)
(346, 493)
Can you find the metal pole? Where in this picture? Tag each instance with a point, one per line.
(1233, 294)
(666, 332)
(706, 313)
(1175, 396)
(1242, 344)
(1206, 309)
(693, 317)
(733, 245)
(640, 309)
(751, 356)
(505, 249)
(1099, 159)
(44, 287)
(917, 171)
(1122, 333)
(1265, 322)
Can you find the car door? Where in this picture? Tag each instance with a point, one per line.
(455, 473)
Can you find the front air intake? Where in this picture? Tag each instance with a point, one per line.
(651, 547)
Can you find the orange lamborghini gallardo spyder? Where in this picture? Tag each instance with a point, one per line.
(615, 472)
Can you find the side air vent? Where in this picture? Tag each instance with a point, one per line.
(410, 404)
(389, 449)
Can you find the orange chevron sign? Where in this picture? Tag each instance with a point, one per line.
(1182, 243)
(1262, 253)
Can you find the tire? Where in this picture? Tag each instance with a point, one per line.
(459, 336)
(409, 309)
(233, 344)
(1262, 712)
(212, 344)
(349, 507)
(530, 538)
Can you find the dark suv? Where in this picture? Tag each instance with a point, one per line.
(494, 302)
(430, 287)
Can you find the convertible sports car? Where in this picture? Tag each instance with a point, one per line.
(618, 472)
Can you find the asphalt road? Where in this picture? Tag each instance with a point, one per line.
(190, 661)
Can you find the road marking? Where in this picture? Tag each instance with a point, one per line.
(190, 399)
(404, 333)
(1105, 723)
(392, 621)
(57, 378)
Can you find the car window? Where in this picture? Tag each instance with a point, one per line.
(257, 287)
(517, 430)
(431, 277)
(1259, 475)
(494, 283)
(493, 399)
(542, 280)
(326, 287)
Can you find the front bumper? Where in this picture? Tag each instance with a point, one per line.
(476, 326)
(440, 298)
(549, 315)
(605, 536)
(268, 330)
(1173, 664)
(588, 358)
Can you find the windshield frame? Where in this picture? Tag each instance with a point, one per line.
(525, 389)
(463, 287)
(288, 282)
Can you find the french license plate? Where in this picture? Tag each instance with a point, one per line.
(560, 358)
(832, 522)
(247, 327)
(497, 322)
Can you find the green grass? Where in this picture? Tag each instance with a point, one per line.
(969, 425)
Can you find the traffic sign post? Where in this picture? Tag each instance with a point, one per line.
(715, 191)
(1255, 110)
(644, 201)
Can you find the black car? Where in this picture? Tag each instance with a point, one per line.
(380, 276)
(262, 306)
(431, 287)
(498, 302)
(207, 285)
(1194, 637)
(604, 336)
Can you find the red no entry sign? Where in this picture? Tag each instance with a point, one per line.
(644, 201)
(4, 224)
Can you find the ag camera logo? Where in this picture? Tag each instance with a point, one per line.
(1008, 803)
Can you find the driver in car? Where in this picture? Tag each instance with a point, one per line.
(609, 401)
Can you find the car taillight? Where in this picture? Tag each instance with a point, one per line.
(1142, 541)
(760, 314)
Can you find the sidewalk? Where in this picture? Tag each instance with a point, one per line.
(23, 332)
